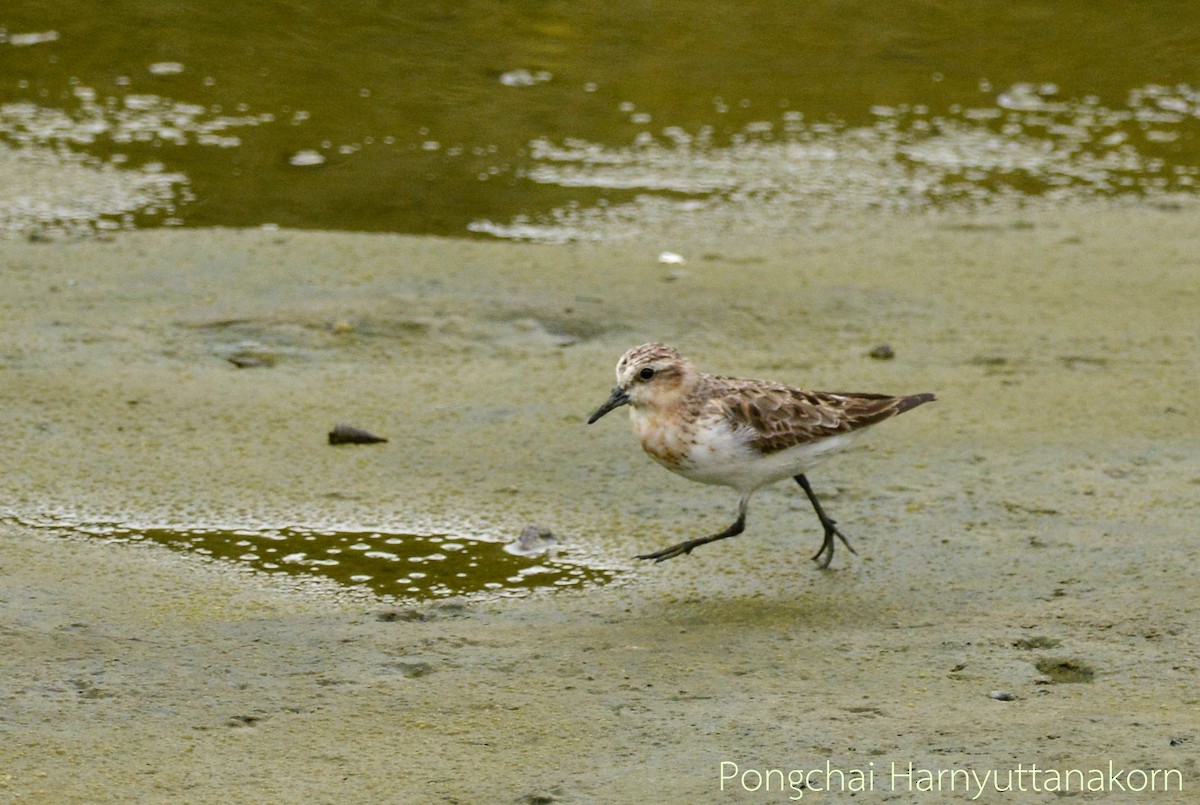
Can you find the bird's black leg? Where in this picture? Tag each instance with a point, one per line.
(686, 546)
(827, 523)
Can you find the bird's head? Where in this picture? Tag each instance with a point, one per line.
(649, 376)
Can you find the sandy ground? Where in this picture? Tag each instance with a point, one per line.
(1034, 533)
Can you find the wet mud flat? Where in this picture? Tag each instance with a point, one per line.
(1023, 593)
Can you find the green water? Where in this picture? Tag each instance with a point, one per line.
(403, 566)
(447, 118)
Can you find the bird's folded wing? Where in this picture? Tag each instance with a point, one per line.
(779, 417)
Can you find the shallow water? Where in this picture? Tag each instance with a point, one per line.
(402, 566)
(582, 119)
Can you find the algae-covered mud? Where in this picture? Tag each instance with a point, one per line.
(1024, 592)
(206, 599)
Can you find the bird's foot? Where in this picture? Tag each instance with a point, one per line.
(673, 551)
(825, 555)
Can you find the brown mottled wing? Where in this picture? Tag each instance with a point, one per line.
(783, 417)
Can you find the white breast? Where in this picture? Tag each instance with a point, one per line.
(719, 454)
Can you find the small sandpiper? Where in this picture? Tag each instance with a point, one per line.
(740, 433)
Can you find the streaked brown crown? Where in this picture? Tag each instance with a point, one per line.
(668, 364)
(649, 355)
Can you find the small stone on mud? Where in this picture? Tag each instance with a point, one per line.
(406, 615)
(532, 540)
(414, 670)
(348, 434)
(1002, 696)
(883, 352)
(251, 361)
(452, 607)
(250, 355)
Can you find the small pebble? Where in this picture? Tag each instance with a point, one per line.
(406, 615)
(250, 355)
(348, 434)
(1003, 696)
(250, 361)
(532, 540)
(883, 352)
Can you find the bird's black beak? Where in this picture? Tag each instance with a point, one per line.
(619, 397)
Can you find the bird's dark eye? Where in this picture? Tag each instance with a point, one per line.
(646, 373)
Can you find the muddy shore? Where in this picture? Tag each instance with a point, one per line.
(1033, 534)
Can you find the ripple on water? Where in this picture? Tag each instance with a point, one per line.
(411, 566)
